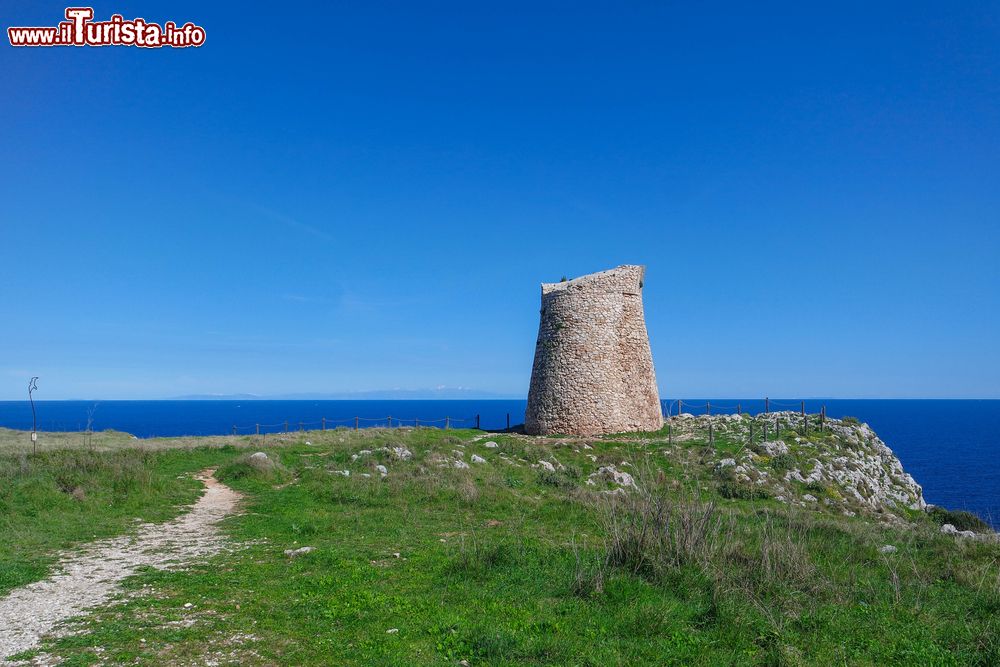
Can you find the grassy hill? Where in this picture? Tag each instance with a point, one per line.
(692, 545)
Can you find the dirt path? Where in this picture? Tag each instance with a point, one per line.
(89, 578)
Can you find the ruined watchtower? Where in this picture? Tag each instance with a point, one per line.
(593, 370)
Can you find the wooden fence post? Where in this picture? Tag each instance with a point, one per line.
(234, 429)
(708, 408)
(390, 421)
(680, 407)
(286, 426)
(355, 423)
(477, 422)
(447, 423)
(258, 429)
(805, 424)
(767, 405)
(416, 423)
(324, 423)
(739, 410)
(300, 427)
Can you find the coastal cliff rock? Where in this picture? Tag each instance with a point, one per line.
(842, 465)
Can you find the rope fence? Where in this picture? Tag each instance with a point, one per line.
(768, 423)
(358, 423)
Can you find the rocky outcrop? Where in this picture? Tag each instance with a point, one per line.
(844, 466)
(593, 369)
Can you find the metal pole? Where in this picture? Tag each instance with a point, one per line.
(32, 386)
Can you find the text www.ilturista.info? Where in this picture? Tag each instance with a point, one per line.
(79, 29)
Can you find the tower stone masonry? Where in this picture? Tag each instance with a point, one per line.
(593, 370)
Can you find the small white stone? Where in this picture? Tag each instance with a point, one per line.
(292, 553)
(478, 459)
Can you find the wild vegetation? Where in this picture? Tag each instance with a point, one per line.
(449, 547)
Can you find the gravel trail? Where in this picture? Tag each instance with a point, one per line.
(90, 577)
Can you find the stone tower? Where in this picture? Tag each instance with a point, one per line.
(593, 370)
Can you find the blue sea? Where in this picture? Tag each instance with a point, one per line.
(949, 446)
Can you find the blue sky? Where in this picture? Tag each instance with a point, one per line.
(358, 196)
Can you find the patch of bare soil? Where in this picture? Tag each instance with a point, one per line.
(90, 577)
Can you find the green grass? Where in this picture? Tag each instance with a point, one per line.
(497, 564)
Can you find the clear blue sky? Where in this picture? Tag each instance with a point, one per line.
(355, 196)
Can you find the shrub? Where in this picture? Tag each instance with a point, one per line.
(588, 580)
(854, 421)
(565, 478)
(782, 462)
(251, 466)
(650, 534)
(513, 482)
(742, 491)
(816, 487)
(960, 519)
(477, 556)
